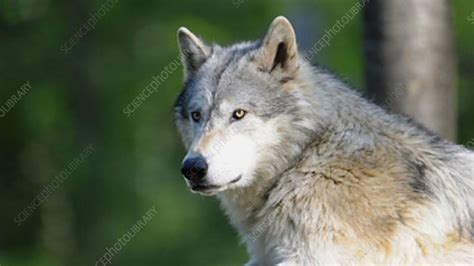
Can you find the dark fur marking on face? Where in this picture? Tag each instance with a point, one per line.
(232, 54)
(224, 67)
(182, 100)
(217, 80)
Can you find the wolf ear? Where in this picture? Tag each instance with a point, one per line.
(194, 51)
(279, 49)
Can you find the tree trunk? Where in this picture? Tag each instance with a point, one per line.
(411, 63)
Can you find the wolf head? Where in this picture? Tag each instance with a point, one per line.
(240, 108)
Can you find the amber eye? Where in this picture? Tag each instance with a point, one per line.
(238, 114)
(196, 116)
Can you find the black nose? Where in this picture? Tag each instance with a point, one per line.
(194, 169)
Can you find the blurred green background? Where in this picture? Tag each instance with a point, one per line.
(77, 98)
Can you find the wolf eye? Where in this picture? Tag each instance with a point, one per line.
(239, 114)
(196, 116)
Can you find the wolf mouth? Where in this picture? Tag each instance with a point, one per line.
(207, 188)
(235, 180)
(204, 188)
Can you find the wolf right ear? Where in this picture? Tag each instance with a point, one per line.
(194, 51)
(279, 50)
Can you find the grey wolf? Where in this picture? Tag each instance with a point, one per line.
(311, 173)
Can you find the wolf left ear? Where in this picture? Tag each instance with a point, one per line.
(194, 51)
(279, 49)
